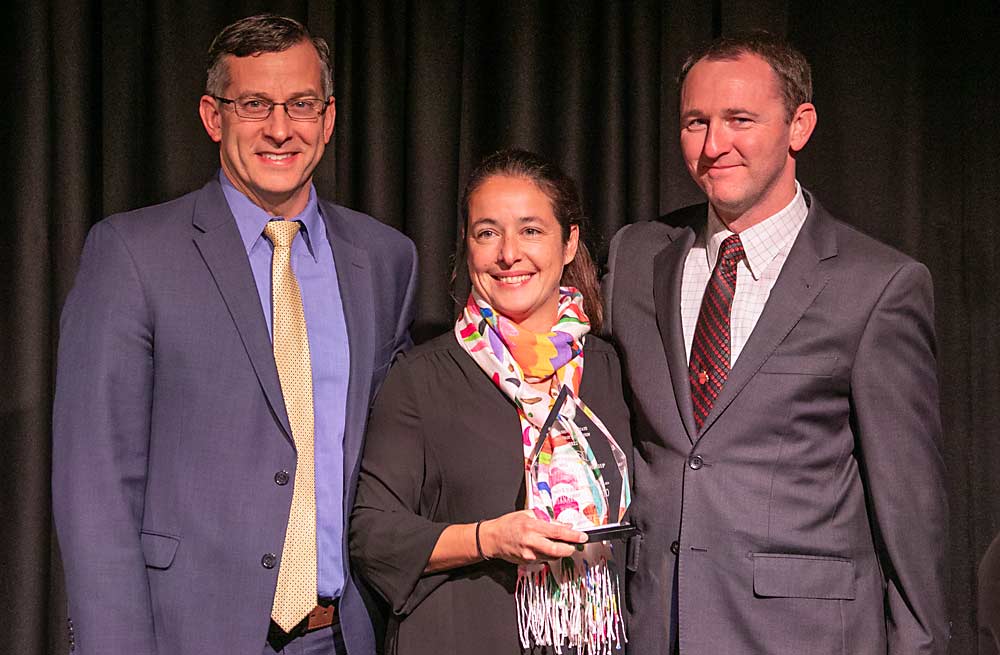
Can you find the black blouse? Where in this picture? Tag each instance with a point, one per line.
(443, 446)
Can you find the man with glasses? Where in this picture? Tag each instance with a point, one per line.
(217, 359)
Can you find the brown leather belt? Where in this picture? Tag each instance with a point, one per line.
(322, 616)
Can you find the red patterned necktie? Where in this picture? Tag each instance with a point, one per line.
(710, 349)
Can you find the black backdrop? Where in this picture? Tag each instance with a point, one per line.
(100, 116)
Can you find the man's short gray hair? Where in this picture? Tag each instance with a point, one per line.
(257, 34)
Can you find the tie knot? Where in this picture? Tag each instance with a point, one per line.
(731, 250)
(281, 233)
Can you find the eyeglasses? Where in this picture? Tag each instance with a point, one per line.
(258, 109)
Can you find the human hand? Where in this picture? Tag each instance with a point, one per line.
(520, 538)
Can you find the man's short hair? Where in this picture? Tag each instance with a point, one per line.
(257, 34)
(789, 65)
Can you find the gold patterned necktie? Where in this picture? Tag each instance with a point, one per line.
(295, 595)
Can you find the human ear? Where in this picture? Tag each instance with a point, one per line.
(329, 116)
(801, 127)
(572, 243)
(211, 118)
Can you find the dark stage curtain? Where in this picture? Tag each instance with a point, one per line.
(101, 117)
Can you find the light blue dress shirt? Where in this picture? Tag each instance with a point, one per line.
(313, 265)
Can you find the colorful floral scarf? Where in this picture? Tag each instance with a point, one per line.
(575, 602)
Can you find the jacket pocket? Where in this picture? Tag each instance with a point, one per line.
(802, 576)
(799, 365)
(158, 549)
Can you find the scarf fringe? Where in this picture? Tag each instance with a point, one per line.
(579, 608)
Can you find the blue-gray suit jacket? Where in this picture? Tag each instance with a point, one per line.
(809, 514)
(169, 426)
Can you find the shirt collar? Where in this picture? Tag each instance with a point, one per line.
(251, 218)
(763, 241)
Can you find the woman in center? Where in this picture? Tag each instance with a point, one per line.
(491, 447)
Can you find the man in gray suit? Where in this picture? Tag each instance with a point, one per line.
(788, 477)
(191, 383)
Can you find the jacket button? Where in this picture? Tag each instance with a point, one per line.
(695, 462)
(675, 547)
(268, 560)
(281, 478)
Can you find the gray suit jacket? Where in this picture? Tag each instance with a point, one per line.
(170, 427)
(809, 516)
(988, 600)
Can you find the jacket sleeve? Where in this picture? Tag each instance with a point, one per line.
(101, 425)
(894, 395)
(391, 538)
(608, 282)
(407, 309)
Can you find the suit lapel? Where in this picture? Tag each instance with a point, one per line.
(220, 245)
(355, 283)
(668, 270)
(801, 280)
